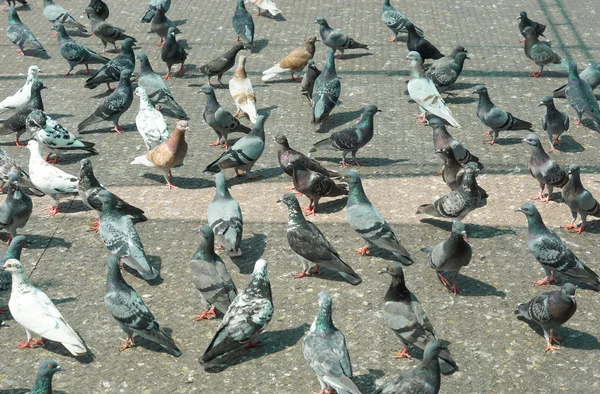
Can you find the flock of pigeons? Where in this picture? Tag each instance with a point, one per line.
(245, 314)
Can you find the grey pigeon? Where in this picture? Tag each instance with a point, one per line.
(129, 310)
(209, 275)
(19, 34)
(452, 172)
(541, 53)
(243, 25)
(417, 43)
(172, 52)
(458, 203)
(553, 254)
(308, 80)
(106, 32)
(220, 119)
(591, 75)
(422, 379)
(225, 217)
(395, 20)
(75, 53)
(444, 73)
(549, 311)
(579, 200)
(247, 316)
(288, 156)
(54, 13)
(326, 91)
(351, 139)
(100, 8)
(315, 185)
(115, 105)
(111, 71)
(524, 22)
(579, 94)
(17, 123)
(43, 379)
(15, 209)
(496, 118)
(13, 252)
(311, 246)
(442, 140)
(554, 122)
(160, 25)
(165, 4)
(244, 153)
(9, 165)
(121, 238)
(451, 255)
(325, 351)
(158, 91)
(335, 39)
(447, 60)
(544, 169)
(365, 219)
(404, 315)
(221, 64)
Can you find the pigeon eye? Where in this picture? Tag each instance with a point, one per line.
(526, 209)
(49, 366)
(8, 265)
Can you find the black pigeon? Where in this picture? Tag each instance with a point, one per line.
(75, 53)
(243, 25)
(579, 200)
(160, 25)
(335, 39)
(172, 53)
(554, 122)
(15, 209)
(111, 71)
(524, 22)
(19, 34)
(308, 80)
(43, 379)
(106, 32)
(417, 43)
(221, 64)
(315, 185)
(100, 8)
(18, 122)
(288, 156)
(220, 119)
(544, 169)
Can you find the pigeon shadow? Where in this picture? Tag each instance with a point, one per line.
(464, 85)
(508, 141)
(189, 67)
(587, 123)
(37, 53)
(338, 119)
(78, 33)
(72, 158)
(27, 391)
(332, 206)
(153, 346)
(267, 110)
(259, 45)
(365, 162)
(473, 230)
(108, 129)
(460, 99)
(59, 116)
(256, 175)
(58, 348)
(252, 248)
(156, 263)
(73, 206)
(568, 144)
(355, 55)
(38, 241)
(104, 94)
(471, 287)
(366, 382)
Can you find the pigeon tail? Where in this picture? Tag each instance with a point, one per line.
(323, 144)
(143, 160)
(404, 260)
(428, 209)
(147, 18)
(88, 122)
(76, 349)
(447, 364)
(273, 72)
(352, 279)
(352, 44)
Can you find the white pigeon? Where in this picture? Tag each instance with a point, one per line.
(423, 91)
(266, 5)
(32, 309)
(150, 122)
(48, 179)
(21, 98)
(242, 92)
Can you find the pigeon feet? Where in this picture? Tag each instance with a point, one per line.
(552, 150)
(555, 339)
(51, 161)
(126, 343)
(403, 354)
(578, 229)
(3, 310)
(569, 226)
(363, 251)
(20, 53)
(290, 188)
(577, 122)
(443, 279)
(167, 76)
(181, 70)
(31, 343)
(258, 14)
(544, 281)
(170, 185)
(492, 142)
(67, 74)
(94, 226)
(487, 134)
(216, 143)
(296, 79)
(310, 210)
(160, 43)
(239, 174)
(392, 39)
(17, 143)
(251, 344)
(118, 129)
(454, 289)
(536, 74)
(209, 314)
(53, 210)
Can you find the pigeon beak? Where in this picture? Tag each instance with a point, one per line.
(59, 368)
(518, 210)
(278, 201)
(379, 110)
(524, 140)
(383, 271)
(541, 104)
(467, 57)
(519, 18)
(317, 40)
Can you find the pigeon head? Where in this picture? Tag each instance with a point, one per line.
(171, 32)
(532, 140)
(410, 27)
(60, 29)
(125, 75)
(206, 233)
(48, 368)
(323, 320)
(127, 44)
(458, 228)
(371, 110)
(458, 49)
(321, 21)
(432, 351)
(568, 290)
(89, 11)
(574, 169)
(351, 177)
(573, 69)
(207, 89)
(140, 92)
(12, 14)
(523, 16)
(547, 100)
(260, 269)
(395, 270)
(461, 57)
(471, 168)
(86, 166)
(36, 120)
(37, 86)
(33, 146)
(480, 89)
(528, 32)
(182, 125)
(311, 63)
(240, 4)
(20, 241)
(221, 185)
(447, 151)
(106, 198)
(414, 56)
(435, 122)
(288, 199)
(113, 271)
(33, 70)
(14, 267)
(528, 209)
(312, 40)
(282, 140)
(13, 177)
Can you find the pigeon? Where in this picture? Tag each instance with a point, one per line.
(549, 311)
(325, 351)
(209, 275)
(445, 61)
(33, 310)
(579, 94)
(242, 92)
(121, 238)
(106, 32)
(579, 200)
(54, 13)
(168, 154)
(351, 139)
(423, 91)
(219, 119)
(443, 73)
(315, 185)
(221, 64)
(8, 165)
(53, 137)
(288, 156)
(43, 379)
(335, 39)
(19, 34)
(326, 91)
(395, 20)
(48, 179)
(591, 75)
(442, 140)
(22, 96)
(112, 107)
(111, 71)
(422, 379)
(165, 4)
(225, 218)
(416, 43)
(14, 2)
(13, 252)
(160, 25)
(452, 172)
(88, 188)
(172, 52)
(524, 22)
(458, 203)
(75, 53)
(451, 255)
(129, 310)
(158, 92)
(496, 118)
(404, 315)
(243, 25)
(100, 8)
(150, 122)
(244, 153)
(544, 169)
(541, 53)
(553, 254)
(268, 6)
(308, 81)
(554, 122)
(248, 315)
(15, 209)
(294, 62)
(311, 246)
(17, 123)
(365, 219)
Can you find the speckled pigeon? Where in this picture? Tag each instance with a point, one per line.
(19, 34)
(591, 75)
(543, 168)
(326, 91)
(579, 200)
(315, 185)
(43, 379)
(225, 217)
(524, 22)
(554, 122)
(17, 123)
(111, 71)
(403, 314)
(221, 64)
(442, 139)
(417, 43)
(100, 8)
(75, 53)
(579, 94)
(311, 246)
(243, 25)
(308, 80)
(395, 20)
(15, 209)
(172, 52)
(288, 156)
(160, 25)
(335, 39)
(165, 4)
(54, 13)
(541, 53)
(106, 32)
(445, 71)
(325, 351)
(13, 252)
(550, 310)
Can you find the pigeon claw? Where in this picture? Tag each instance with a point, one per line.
(454, 289)
(443, 279)
(53, 210)
(536, 74)
(126, 343)
(553, 149)
(303, 274)
(314, 270)
(167, 76)
(23, 345)
(170, 185)
(577, 122)
(20, 53)
(403, 354)
(569, 226)
(51, 161)
(160, 43)
(118, 129)
(251, 344)
(363, 251)
(94, 226)
(544, 281)
(239, 174)
(209, 314)
(578, 229)
(392, 39)
(216, 143)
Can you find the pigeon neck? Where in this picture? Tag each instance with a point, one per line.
(323, 323)
(206, 250)
(536, 224)
(551, 108)
(310, 47)
(260, 287)
(20, 283)
(35, 102)
(416, 70)
(356, 194)
(62, 33)
(87, 179)
(484, 100)
(329, 69)
(240, 5)
(440, 132)
(176, 138)
(14, 252)
(240, 71)
(367, 120)
(295, 215)
(145, 66)
(222, 191)
(397, 291)
(259, 129)
(43, 384)
(386, 4)
(539, 153)
(468, 182)
(114, 278)
(123, 83)
(160, 16)
(145, 101)
(431, 367)
(211, 101)
(576, 181)
(13, 17)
